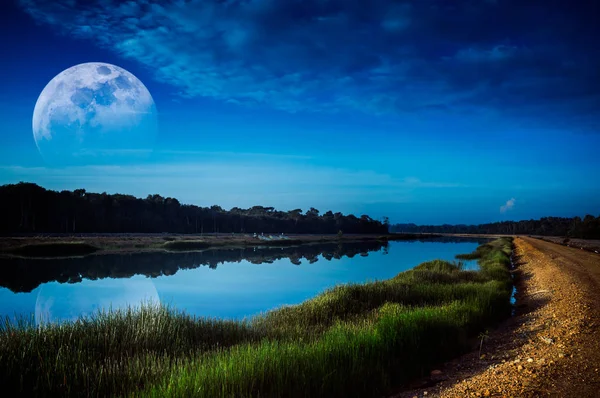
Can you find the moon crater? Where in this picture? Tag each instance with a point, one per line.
(94, 113)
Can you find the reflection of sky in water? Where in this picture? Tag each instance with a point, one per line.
(233, 290)
(69, 301)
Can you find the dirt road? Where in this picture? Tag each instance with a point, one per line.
(551, 347)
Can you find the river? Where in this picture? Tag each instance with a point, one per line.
(219, 283)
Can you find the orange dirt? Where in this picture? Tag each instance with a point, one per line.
(550, 348)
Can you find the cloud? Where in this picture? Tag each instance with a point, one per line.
(509, 205)
(237, 155)
(376, 57)
(495, 54)
(414, 182)
(232, 181)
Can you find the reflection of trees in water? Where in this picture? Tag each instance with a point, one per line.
(24, 275)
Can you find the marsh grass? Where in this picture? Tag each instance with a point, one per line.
(176, 245)
(108, 352)
(351, 340)
(186, 245)
(283, 242)
(54, 249)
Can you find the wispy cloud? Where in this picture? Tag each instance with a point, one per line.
(509, 205)
(379, 57)
(229, 184)
(191, 152)
(417, 183)
(494, 54)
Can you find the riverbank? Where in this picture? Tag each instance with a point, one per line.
(551, 347)
(74, 245)
(359, 339)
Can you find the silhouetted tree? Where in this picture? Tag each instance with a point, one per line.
(574, 227)
(31, 208)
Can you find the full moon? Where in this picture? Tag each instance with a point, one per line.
(94, 113)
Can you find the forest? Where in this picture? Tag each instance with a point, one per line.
(35, 209)
(574, 227)
(29, 208)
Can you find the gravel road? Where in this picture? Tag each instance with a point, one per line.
(550, 348)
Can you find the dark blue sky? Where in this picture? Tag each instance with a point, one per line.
(424, 111)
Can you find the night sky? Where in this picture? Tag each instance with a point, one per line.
(424, 111)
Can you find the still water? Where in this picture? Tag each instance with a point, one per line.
(224, 283)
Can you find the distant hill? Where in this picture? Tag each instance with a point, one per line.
(27, 208)
(575, 227)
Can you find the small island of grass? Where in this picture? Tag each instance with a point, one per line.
(53, 249)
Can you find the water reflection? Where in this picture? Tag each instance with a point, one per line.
(53, 303)
(24, 275)
(247, 282)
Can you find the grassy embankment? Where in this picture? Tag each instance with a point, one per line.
(352, 340)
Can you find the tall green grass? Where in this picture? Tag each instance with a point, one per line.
(362, 359)
(109, 352)
(351, 340)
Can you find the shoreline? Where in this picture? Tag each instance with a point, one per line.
(53, 245)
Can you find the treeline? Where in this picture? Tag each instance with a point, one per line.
(27, 208)
(575, 227)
